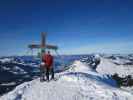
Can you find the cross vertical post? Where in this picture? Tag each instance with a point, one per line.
(43, 46)
(43, 42)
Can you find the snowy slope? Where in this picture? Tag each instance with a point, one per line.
(77, 83)
(107, 66)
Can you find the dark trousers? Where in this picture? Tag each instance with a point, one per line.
(48, 71)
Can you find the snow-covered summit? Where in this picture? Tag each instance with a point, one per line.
(77, 83)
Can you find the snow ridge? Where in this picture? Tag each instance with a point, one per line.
(77, 83)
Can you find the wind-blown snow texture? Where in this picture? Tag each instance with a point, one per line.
(79, 82)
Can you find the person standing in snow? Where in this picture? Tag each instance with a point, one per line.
(48, 60)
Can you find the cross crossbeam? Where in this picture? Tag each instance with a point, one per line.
(43, 44)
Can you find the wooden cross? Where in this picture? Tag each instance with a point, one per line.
(43, 44)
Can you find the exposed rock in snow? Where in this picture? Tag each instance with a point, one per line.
(77, 83)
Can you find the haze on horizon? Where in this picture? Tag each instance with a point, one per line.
(76, 26)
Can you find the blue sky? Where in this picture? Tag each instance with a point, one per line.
(76, 26)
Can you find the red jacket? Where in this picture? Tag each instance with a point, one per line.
(48, 59)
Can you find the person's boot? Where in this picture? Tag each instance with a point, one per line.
(52, 78)
(47, 79)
